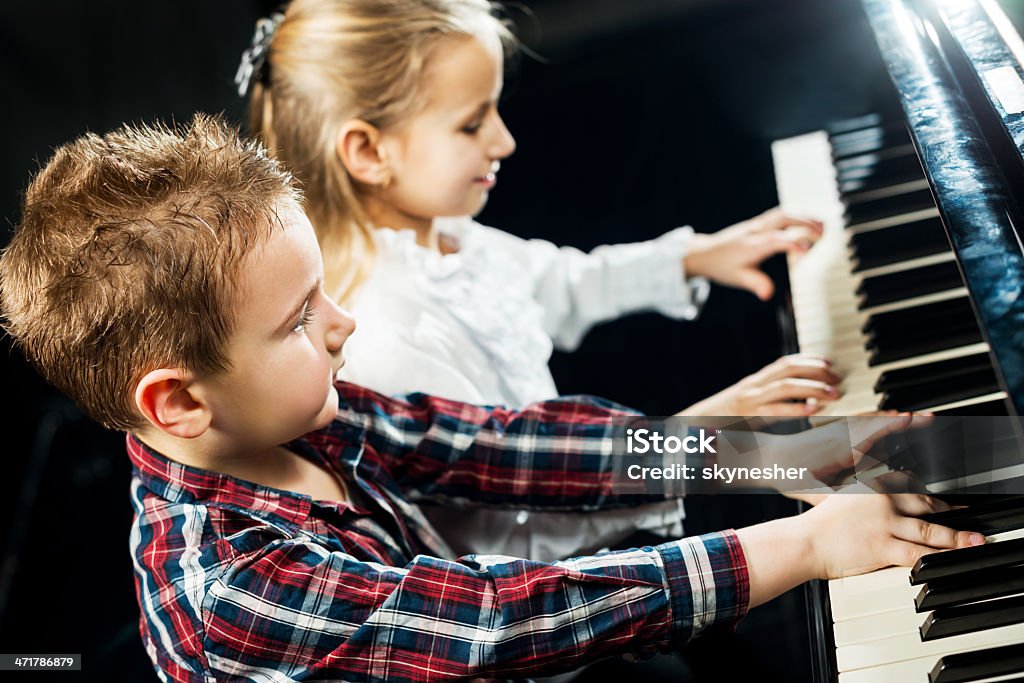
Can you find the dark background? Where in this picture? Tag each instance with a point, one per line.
(644, 115)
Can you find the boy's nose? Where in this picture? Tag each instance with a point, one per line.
(342, 327)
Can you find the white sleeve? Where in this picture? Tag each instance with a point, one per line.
(578, 290)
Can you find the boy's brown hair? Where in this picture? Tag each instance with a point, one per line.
(127, 254)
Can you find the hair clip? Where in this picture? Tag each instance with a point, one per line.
(255, 57)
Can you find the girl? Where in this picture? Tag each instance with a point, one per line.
(387, 113)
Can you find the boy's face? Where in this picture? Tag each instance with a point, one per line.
(286, 347)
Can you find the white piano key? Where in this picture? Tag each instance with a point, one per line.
(881, 591)
(885, 624)
(999, 474)
(909, 671)
(955, 293)
(888, 191)
(892, 221)
(886, 642)
(910, 646)
(919, 262)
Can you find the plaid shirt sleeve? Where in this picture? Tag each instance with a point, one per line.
(292, 607)
(553, 455)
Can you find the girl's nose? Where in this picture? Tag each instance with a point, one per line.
(504, 144)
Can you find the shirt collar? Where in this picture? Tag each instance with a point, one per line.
(179, 483)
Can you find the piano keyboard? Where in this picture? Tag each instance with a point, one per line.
(881, 294)
(888, 630)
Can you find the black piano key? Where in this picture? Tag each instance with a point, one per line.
(898, 243)
(877, 162)
(888, 346)
(906, 284)
(951, 562)
(985, 514)
(873, 120)
(973, 666)
(994, 407)
(919, 374)
(941, 390)
(918, 323)
(897, 159)
(888, 354)
(876, 171)
(868, 140)
(959, 590)
(977, 616)
(914, 318)
(866, 210)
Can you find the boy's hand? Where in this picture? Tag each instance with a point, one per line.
(846, 534)
(781, 388)
(732, 256)
(857, 533)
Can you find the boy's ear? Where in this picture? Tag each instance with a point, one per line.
(358, 146)
(166, 399)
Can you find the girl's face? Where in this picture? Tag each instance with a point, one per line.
(444, 159)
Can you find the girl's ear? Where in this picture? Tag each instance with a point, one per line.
(166, 398)
(359, 147)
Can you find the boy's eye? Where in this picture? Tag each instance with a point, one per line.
(472, 128)
(305, 319)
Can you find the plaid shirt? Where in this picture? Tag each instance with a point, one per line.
(238, 581)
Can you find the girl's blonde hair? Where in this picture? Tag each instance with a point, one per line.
(331, 61)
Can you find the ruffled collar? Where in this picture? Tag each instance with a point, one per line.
(487, 294)
(400, 246)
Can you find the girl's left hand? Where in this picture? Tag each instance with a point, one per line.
(782, 388)
(732, 256)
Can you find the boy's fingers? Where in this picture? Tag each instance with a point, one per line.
(904, 553)
(933, 535)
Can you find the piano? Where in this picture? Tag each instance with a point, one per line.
(916, 291)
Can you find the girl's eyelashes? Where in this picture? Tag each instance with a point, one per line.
(305, 318)
(472, 128)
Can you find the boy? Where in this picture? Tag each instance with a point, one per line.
(169, 282)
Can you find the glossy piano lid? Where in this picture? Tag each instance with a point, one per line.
(969, 182)
(994, 51)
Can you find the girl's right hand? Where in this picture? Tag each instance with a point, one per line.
(781, 388)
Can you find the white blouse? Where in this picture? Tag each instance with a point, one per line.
(479, 325)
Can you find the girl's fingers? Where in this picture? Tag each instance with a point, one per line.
(806, 367)
(789, 240)
(776, 219)
(915, 505)
(796, 388)
(865, 433)
(785, 409)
